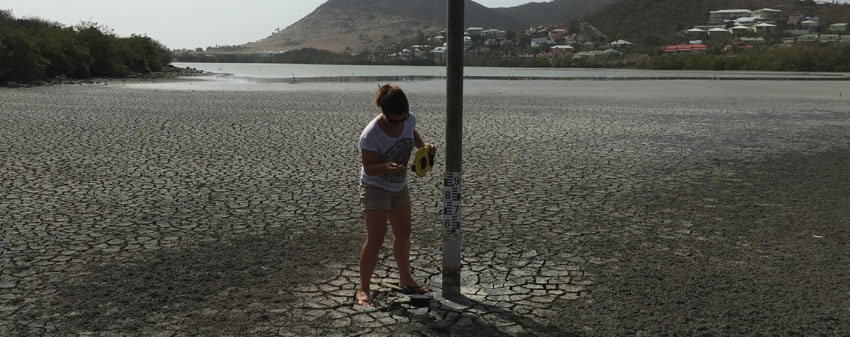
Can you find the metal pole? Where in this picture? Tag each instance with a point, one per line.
(454, 128)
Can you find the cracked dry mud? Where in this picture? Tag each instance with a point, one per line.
(590, 209)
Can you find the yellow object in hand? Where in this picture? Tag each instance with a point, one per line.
(422, 161)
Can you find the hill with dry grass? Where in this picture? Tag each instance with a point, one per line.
(369, 25)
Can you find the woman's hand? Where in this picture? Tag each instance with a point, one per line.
(432, 148)
(392, 167)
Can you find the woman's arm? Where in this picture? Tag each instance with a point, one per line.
(417, 140)
(419, 143)
(373, 166)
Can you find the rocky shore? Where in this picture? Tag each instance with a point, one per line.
(656, 208)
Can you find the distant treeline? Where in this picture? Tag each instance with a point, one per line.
(303, 56)
(34, 50)
(796, 58)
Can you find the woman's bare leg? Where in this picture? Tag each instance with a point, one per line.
(376, 230)
(400, 222)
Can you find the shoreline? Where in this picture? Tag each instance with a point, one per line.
(351, 79)
(169, 74)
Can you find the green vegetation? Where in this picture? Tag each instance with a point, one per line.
(34, 50)
(797, 58)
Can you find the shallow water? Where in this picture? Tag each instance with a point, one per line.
(302, 72)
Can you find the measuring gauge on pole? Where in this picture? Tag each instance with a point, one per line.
(451, 234)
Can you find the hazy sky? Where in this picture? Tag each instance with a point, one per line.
(183, 23)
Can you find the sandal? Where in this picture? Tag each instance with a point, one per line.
(366, 302)
(414, 290)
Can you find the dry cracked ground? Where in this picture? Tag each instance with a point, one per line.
(647, 208)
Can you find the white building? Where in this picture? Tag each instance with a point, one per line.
(739, 30)
(564, 47)
(474, 30)
(811, 23)
(493, 34)
(541, 41)
(439, 54)
(767, 14)
(718, 32)
(467, 42)
(622, 44)
(746, 21)
(696, 32)
(765, 28)
(728, 15)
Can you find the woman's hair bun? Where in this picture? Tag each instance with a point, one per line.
(391, 99)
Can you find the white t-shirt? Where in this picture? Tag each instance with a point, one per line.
(389, 149)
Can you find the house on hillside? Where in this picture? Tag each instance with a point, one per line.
(829, 38)
(494, 34)
(811, 23)
(536, 42)
(745, 21)
(473, 31)
(622, 44)
(710, 27)
(590, 56)
(811, 38)
(725, 15)
(438, 40)
(765, 28)
(696, 33)
(717, 32)
(795, 19)
(697, 48)
(439, 54)
(492, 43)
(612, 52)
(562, 50)
(741, 30)
(767, 14)
(838, 28)
(467, 42)
(557, 34)
(752, 40)
(845, 39)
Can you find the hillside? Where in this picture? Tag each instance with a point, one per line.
(554, 12)
(365, 25)
(669, 17)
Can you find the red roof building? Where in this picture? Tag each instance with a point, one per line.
(697, 48)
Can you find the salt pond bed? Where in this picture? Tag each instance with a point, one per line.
(205, 207)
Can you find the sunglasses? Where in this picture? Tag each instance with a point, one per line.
(397, 121)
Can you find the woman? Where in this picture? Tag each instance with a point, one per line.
(385, 147)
